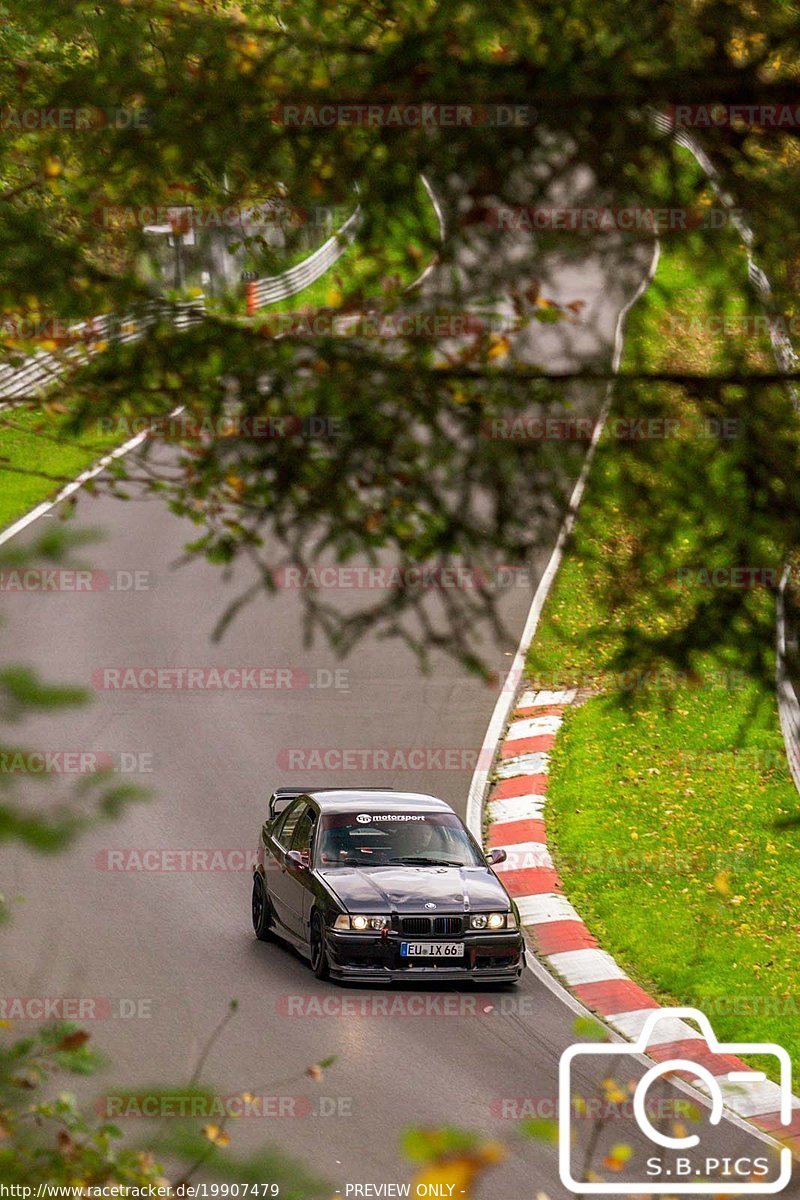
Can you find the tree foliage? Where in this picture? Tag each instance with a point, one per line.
(205, 92)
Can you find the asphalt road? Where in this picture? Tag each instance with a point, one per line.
(177, 945)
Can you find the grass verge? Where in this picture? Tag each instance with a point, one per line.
(667, 790)
(37, 458)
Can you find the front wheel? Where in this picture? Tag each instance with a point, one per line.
(261, 913)
(319, 953)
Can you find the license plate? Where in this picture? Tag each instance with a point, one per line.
(431, 949)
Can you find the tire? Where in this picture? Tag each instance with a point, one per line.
(318, 953)
(262, 919)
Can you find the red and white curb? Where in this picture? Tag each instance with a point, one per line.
(515, 810)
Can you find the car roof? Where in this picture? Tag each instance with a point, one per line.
(375, 801)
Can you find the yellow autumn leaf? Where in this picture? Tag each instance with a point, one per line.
(617, 1157)
(499, 348)
(217, 1136)
(455, 1176)
(722, 882)
(450, 1178)
(613, 1093)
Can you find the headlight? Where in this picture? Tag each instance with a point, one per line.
(362, 923)
(493, 921)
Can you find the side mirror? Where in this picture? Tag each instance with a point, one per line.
(297, 860)
(496, 856)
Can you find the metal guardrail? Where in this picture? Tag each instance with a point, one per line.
(785, 354)
(277, 287)
(787, 359)
(788, 701)
(39, 371)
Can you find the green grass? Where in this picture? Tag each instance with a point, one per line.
(662, 810)
(37, 459)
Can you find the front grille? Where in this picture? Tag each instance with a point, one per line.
(439, 926)
(415, 925)
(444, 925)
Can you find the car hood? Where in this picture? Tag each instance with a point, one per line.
(409, 889)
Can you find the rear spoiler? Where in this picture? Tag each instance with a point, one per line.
(283, 796)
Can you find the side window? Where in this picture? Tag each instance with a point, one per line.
(303, 833)
(287, 822)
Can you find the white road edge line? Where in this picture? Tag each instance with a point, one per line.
(503, 707)
(73, 486)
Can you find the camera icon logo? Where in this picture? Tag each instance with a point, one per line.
(692, 1174)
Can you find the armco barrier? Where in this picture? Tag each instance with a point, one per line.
(788, 702)
(782, 348)
(278, 287)
(38, 371)
(787, 360)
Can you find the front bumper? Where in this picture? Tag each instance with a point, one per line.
(488, 957)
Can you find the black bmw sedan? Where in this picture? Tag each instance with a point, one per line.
(375, 885)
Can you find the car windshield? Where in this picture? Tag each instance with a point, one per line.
(395, 839)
